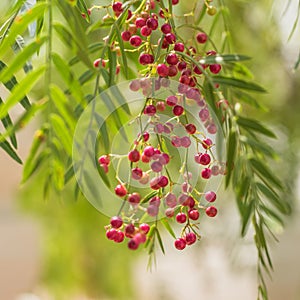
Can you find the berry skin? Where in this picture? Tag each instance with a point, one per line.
(179, 47)
(178, 110)
(126, 35)
(190, 128)
(204, 114)
(169, 212)
(162, 70)
(134, 85)
(137, 173)
(174, 2)
(152, 23)
(104, 159)
(207, 143)
(171, 200)
(185, 141)
(193, 214)
(146, 136)
(129, 230)
(146, 31)
(117, 7)
(149, 151)
(172, 59)
(181, 218)
(170, 38)
(163, 181)
(144, 179)
(172, 71)
(160, 106)
(119, 238)
(132, 244)
(184, 79)
(140, 238)
(211, 211)
(210, 196)
(152, 210)
(135, 41)
(166, 28)
(201, 37)
(134, 198)
(144, 227)
(180, 244)
(156, 167)
(215, 68)
(146, 59)
(140, 22)
(190, 238)
(164, 158)
(215, 170)
(176, 141)
(111, 233)
(150, 110)
(206, 173)
(181, 66)
(116, 222)
(171, 100)
(204, 159)
(120, 190)
(98, 61)
(134, 155)
(104, 167)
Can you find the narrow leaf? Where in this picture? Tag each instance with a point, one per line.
(10, 151)
(168, 227)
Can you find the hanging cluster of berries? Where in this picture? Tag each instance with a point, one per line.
(150, 32)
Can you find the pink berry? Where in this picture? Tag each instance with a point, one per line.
(129, 230)
(111, 233)
(162, 70)
(190, 238)
(104, 159)
(172, 71)
(185, 141)
(152, 210)
(163, 181)
(193, 214)
(155, 201)
(134, 198)
(140, 238)
(186, 188)
(117, 7)
(104, 167)
(144, 179)
(190, 128)
(156, 167)
(145, 159)
(171, 38)
(116, 222)
(201, 37)
(169, 212)
(179, 47)
(206, 173)
(134, 155)
(171, 100)
(154, 183)
(135, 41)
(98, 61)
(166, 28)
(176, 141)
(149, 151)
(184, 79)
(210, 196)
(150, 110)
(144, 227)
(137, 173)
(152, 23)
(120, 190)
(146, 59)
(178, 110)
(182, 199)
(146, 31)
(181, 218)
(171, 200)
(215, 170)
(132, 244)
(180, 244)
(197, 157)
(212, 128)
(204, 159)
(211, 211)
(172, 59)
(134, 85)
(181, 65)
(215, 68)
(159, 128)
(119, 238)
(204, 114)
(140, 22)
(164, 158)
(207, 143)
(146, 136)
(126, 35)
(160, 105)
(174, 2)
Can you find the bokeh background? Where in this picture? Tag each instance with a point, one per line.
(57, 249)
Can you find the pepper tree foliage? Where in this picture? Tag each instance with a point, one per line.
(30, 58)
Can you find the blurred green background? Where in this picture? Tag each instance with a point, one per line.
(73, 260)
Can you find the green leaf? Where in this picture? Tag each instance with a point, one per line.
(123, 54)
(258, 145)
(20, 25)
(168, 227)
(112, 57)
(62, 133)
(83, 9)
(246, 217)
(5, 145)
(160, 242)
(21, 59)
(272, 215)
(58, 173)
(86, 76)
(238, 83)
(265, 173)
(20, 90)
(231, 151)
(254, 125)
(103, 132)
(18, 46)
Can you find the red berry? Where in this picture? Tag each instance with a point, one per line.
(116, 222)
(129, 14)
(152, 210)
(210, 196)
(162, 70)
(163, 181)
(104, 159)
(140, 238)
(134, 198)
(126, 35)
(152, 23)
(169, 212)
(172, 71)
(201, 37)
(174, 2)
(129, 230)
(166, 28)
(172, 100)
(150, 110)
(211, 211)
(190, 238)
(207, 143)
(180, 244)
(120, 190)
(215, 68)
(184, 79)
(135, 41)
(190, 128)
(146, 136)
(134, 155)
(146, 59)
(134, 85)
(193, 214)
(160, 105)
(140, 22)
(132, 244)
(204, 159)
(98, 61)
(181, 66)
(137, 173)
(149, 151)
(104, 167)
(206, 173)
(164, 159)
(171, 38)
(171, 200)
(156, 166)
(144, 227)
(111, 233)
(117, 7)
(178, 110)
(172, 59)
(179, 47)
(181, 218)
(119, 238)
(185, 141)
(176, 141)
(146, 31)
